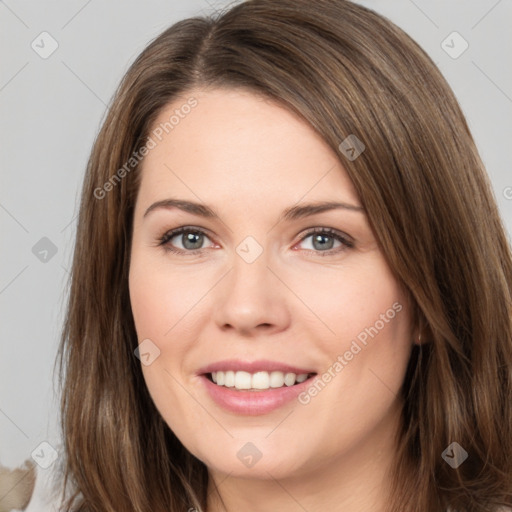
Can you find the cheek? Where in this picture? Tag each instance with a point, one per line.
(161, 299)
(168, 310)
(352, 302)
(149, 305)
(160, 303)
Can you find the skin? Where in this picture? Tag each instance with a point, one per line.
(249, 159)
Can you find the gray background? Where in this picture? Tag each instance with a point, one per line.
(51, 109)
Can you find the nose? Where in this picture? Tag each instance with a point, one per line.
(251, 300)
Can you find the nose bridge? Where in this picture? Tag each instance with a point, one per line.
(251, 294)
(250, 276)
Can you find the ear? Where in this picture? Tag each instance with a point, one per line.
(420, 335)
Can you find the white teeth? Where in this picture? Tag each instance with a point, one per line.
(242, 380)
(276, 379)
(229, 379)
(260, 380)
(256, 381)
(289, 379)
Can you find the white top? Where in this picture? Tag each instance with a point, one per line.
(45, 498)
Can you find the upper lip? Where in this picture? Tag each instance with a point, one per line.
(260, 365)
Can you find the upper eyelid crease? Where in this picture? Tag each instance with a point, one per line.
(292, 213)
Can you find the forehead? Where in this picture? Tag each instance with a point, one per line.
(235, 146)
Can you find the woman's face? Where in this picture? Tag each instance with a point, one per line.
(265, 286)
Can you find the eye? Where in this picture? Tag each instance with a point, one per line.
(189, 240)
(184, 240)
(323, 241)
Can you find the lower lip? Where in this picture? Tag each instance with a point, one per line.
(253, 403)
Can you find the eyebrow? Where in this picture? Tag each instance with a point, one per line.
(292, 213)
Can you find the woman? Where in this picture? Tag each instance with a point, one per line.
(291, 287)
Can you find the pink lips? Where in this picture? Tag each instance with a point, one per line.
(252, 367)
(252, 403)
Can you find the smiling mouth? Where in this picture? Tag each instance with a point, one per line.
(258, 381)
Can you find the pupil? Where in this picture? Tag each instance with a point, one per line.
(321, 239)
(192, 240)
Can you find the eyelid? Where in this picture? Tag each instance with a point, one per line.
(170, 234)
(346, 241)
(330, 231)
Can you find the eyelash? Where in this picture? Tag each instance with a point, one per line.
(169, 235)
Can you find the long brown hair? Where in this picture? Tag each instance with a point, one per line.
(347, 71)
